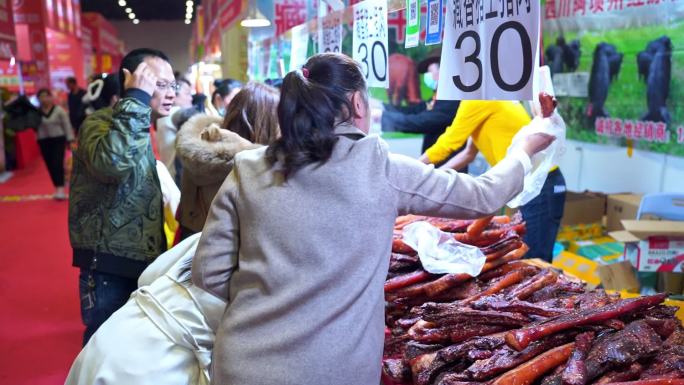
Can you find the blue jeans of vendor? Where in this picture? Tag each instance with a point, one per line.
(543, 216)
(101, 295)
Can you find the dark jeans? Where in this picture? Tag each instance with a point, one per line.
(52, 150)
(101, 295)
(543, 215)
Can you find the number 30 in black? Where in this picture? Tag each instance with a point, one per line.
(374, 51)
(472, 58)
(494, 58)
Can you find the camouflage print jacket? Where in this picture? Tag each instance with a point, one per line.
(115, 205)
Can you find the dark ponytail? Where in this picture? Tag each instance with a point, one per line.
(311, 107)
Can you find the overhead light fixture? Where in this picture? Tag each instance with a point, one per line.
(188, 9)
(128, 10)
(255, 18)
(189, 3)
(122, 3)
(187, 21)
(136, 21)
(131, 16)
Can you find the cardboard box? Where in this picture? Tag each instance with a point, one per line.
(619, 207)
(580, 267)
(619, 276)
(583, 208)
(571, 233)
(604, 250)
(670, 282)
(653, 246)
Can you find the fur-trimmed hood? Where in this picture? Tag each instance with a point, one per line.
(206, 150)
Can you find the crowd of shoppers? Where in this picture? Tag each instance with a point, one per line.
(274, 182)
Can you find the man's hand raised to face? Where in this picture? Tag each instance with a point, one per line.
(143, 78)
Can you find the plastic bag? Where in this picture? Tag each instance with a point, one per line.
(543, 160)
(440, 253)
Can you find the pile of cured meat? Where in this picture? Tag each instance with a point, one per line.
(517, 323)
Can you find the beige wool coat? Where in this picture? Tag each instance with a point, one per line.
(303, 262)
(206, 152)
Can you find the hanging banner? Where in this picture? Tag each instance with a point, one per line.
(435, 22)
(370, 41)
(8, 40)
(489, 51)
(330, 33)
(617, 70)
(412, 23)
(289, 13)
(299, 46)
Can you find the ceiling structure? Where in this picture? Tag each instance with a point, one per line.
(142, 9)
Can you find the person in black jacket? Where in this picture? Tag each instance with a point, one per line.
(429, 118)
(75, 102)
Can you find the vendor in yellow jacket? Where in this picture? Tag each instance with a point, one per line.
(489, 127)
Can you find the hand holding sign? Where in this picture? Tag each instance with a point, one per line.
(490, 47)
(370, 41)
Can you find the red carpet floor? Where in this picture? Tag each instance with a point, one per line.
(40, 326)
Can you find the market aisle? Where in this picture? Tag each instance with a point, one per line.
(40, 328)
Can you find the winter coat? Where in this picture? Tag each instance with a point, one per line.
(115, 205)
(206, 152)
(302, 262)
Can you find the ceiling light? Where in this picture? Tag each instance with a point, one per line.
(131, 16)
(255, 18)
(189, 3)
(189, 8)
(122, 3)
(188, 15)
(128, 10)
(136, 21)
(187, 21)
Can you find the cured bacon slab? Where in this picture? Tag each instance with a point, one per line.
(534, 369)
(521, 338)
(575, 372)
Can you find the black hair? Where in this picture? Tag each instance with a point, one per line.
(180, 79)
(226, 86)
(110, 88)
(311, 107)
(198, 101)
(133, 59)
(275, 83)
(71, 80)
(43, 91)
(182, 116)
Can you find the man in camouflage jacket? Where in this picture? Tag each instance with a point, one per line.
(115, 209)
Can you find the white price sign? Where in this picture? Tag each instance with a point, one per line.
(330, 33)
(299, 47)
(490, 50)
(370, 41)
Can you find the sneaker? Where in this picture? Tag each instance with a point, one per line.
(60, 196)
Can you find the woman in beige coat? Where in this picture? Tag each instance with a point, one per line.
(207, 145)
(298, 237)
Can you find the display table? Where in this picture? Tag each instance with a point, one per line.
(27, 147)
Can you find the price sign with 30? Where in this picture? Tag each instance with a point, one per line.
(330, 33)
(490, 50)
(370, 41)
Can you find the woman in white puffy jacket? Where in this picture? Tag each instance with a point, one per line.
(164, 334)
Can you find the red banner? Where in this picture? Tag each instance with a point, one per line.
(105, 43)
(31, 38)
(229, 12)
(288, 14)
(8, 40)
(65, 59)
